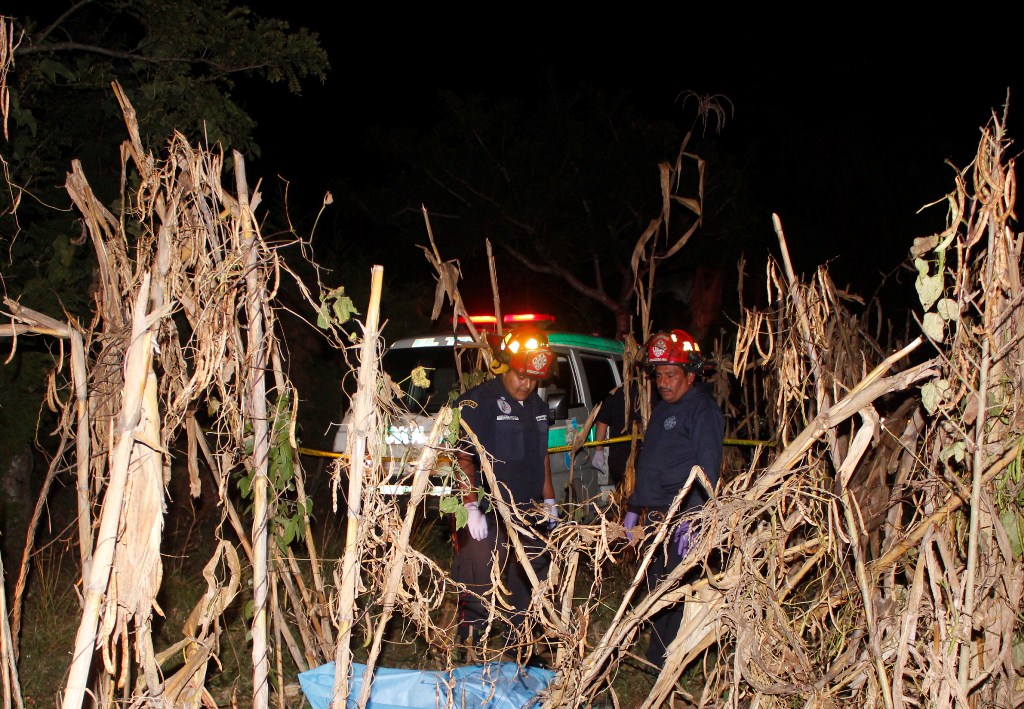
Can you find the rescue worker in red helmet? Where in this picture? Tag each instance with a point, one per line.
(511, 422)
(686, 429)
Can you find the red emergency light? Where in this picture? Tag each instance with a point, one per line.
(538, 319)
(479, 320)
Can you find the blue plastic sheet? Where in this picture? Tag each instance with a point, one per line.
(499, 685)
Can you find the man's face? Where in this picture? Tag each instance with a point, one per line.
(672, 382)
(518, 386)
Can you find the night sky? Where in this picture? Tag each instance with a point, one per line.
(852, 144)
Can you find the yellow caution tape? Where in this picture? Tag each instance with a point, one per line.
(555, 449)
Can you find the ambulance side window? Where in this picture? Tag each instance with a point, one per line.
(600, 373)
(562, 381)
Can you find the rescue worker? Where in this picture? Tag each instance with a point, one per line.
(511, 422)
(686, 429)
(612, 422)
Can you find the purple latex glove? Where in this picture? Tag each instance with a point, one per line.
(682, 539)
(629, 522)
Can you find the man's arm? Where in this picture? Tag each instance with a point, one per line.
(549, 487)
(468, 480)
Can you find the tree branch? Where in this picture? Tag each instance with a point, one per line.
(552, 268)
(41, 48)
(60, 20)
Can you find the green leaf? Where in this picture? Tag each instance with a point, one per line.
(449, 503)
(929, 287)
(51, 69)
(344, 309)
(322, 319)
(1014, 526)
(957, 451)
(933, 326)
(948, 309)
(451, 434)
(933, 394)
(461, 516)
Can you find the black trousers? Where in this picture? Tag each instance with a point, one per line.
(473, 565)
(665, 624)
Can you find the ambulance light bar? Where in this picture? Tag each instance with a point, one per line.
(535, 318)
(487, 322)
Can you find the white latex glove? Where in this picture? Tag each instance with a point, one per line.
(477, 522)
(599, 460)
(552, 512)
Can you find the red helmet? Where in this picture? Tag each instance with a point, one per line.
(676, 347)
(525, 349)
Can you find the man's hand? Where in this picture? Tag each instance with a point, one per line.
(552, 512)
(477, 522)
(600, 460)
(682, 538)
(629, 522)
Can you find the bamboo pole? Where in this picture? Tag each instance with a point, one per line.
(256, 411)
(363, 425)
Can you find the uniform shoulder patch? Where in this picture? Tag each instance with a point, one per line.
(468, 402)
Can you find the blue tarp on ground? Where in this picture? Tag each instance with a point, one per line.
(499, 685)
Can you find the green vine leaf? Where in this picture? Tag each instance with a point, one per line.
(948, 309)
(933, 326)
(335, 308)
(929, 286)
(934, 393)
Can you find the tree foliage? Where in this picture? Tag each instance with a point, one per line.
(182, 63)
(188, 66)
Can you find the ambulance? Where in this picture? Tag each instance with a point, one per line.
(587, 368)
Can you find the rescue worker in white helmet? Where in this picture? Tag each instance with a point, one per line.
(686, 429)
(511, 422)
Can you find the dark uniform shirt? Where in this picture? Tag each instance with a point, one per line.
(679, 436)
(613, 415)
(514, 434)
